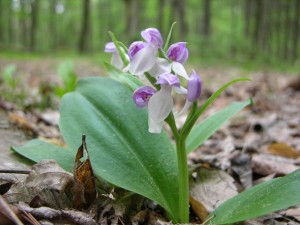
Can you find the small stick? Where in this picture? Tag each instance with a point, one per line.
(9, 212)
(16, 171)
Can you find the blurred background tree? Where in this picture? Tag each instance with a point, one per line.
(240, 30)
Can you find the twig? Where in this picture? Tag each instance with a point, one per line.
(9, 212)
(30, 218)
(16, 171)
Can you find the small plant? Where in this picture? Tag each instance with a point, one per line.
(12, 89)
(68, 77)
(123, 119)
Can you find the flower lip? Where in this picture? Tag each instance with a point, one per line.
(110, 47)
(168, 79)
(194, 87)
(153, 36)
(178, 52)
(142, 95)
(135, 47)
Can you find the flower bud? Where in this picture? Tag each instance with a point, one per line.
(153, 36)
(178, 52)
(194, 87)
(110, 47)
(142, 95)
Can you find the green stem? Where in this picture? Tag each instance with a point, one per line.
(183, 182)
(183, 178)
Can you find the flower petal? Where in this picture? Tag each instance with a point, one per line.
(110, 47)
(178, 52)
(152, 35)
(179, 69)
(154, 127)
(143, 60)
(142, 95)
(160, 104)
(116, 60)
(194, 87)
(161, 66)
(168, 79)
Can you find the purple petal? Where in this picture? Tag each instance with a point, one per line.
(153, 36)
(168, 79)
(142, 95)
(110, 47)
(135, 47)
(194, 87)
(178, 52)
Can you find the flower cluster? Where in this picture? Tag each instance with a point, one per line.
(148, 57)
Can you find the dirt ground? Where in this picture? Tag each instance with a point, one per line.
(267, 134)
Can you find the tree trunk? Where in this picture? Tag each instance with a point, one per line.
(34, 22)
(132, 8)
(52, 23)
(179, 9)
(206, 18)
(296, 28)
(247, 16)
(160, 17)
(83, 45)
(23, 24)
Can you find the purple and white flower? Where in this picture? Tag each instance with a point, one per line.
(116, 58)
(178, 52)
(161, 103)
(142, 95)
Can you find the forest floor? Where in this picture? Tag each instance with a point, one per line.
(262, 142)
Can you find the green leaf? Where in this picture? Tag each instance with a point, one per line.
(190, 122)
(122, 151)
(131, 81)
(209, 126)
(37, 150)
(267, 197)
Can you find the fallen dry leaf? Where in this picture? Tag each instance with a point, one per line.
(47, 181)
(84, 190)
(210, 188)
(265, 164)
(284, 150)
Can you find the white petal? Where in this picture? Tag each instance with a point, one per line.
(180, 90)
(185, 108)
(160, 104)
(179, 69)
(161, 66)
(116, 60)
(154, 127)
(143, 60)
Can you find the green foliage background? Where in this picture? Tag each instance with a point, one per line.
(239, 31)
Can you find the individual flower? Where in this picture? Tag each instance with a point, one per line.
(161, 103)
(178, 52)
(116, 58)
(193, 91)
(194, 87)
(142, 95)
(143, 55)
(152, 35)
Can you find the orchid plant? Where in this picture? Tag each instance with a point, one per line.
(123, 118)
(162, 69)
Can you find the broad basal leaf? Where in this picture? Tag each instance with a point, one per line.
(267, 197)
(207, 127)
(37, 150)
(120, 147)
